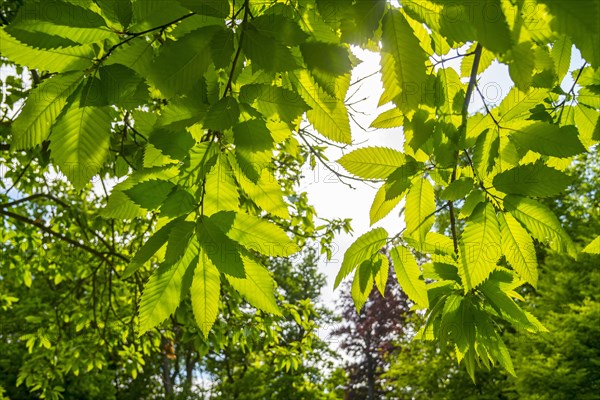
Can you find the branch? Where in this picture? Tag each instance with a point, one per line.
(463, 130)
(443, 60)
(62, 237)
(472, 82)
(487, 108)
(570, 92)
(239, 49)
(21, 174)
(33, 197)
(138, 34)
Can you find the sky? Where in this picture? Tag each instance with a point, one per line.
(333, 199)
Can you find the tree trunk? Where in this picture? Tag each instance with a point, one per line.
(166, 376)
(370, 369)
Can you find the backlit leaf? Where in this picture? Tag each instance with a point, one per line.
(480, 246)
(420, 208)
(372, 162)
(409, 275)
(536, 180)
(205, 293)
(362, 249)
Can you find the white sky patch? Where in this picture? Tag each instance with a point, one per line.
(333, 199)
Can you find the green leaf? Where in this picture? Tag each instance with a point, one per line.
(257, 287)
(121, 86)
(489, 20)
(79, 142)
(392, 118)
(42, 108)
(280, 28)
(532, 180)
(541, 223)
(254, 147)
(522, 63)
(328, 115)
(561, 55)
(52, 60)
(422, 129)
(372, 162)
(165, 289)
(327, 57)
(362, 285)
(121, 206)
(65, 13)
(450, 324)
(150, 247)
(588, 123)
(382, 274)
(549, 139)
(516, 104)
(409, 276)
(420, 208)
(403, 69)
(588, 77)
(222, 47)
(150, 194)
(480, 246)
(457, 189)
(265, 52)
(213, 8)
(177, 203)
(137, 55)
(274, 101)
(266, 193)
(473, 199)
(518, 248)
(173, 143)
(506, 306)
(220, 249)
(223, 114)
(220, 190)
(486, 152)
(485, 60)
(580, 21)
(205, 292)
(179, 238)
(148, 14)
(58, 18)
(182, 112)
(362, 249)
(117, 10)
(181, 64)
(381, 205)
(593, 247)
(399, 180)
(589, 96)
(255, 233)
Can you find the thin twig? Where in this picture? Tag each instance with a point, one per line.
(336, 173)
(33, 197)
(138, 34)
(570, 92)
(463, 130)
(239, 49)
(364, 77)
(443, 60)
(487, 108)
(16, 181)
